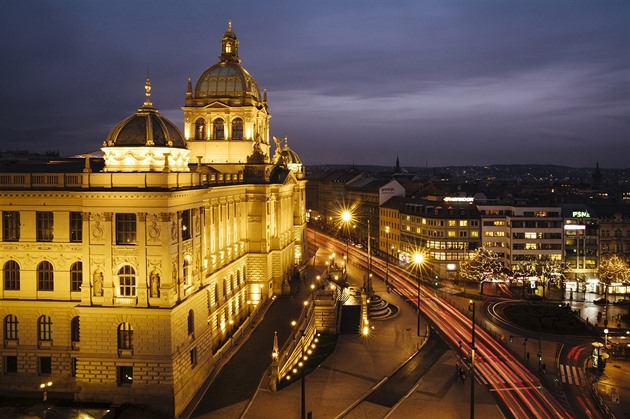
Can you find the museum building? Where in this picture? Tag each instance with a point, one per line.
(126, 277)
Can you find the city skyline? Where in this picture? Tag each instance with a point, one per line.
(436, 83)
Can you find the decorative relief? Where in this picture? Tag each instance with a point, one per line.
(86, 216)
(142, 216)
(173, 230)
(107, 216)
(125, 260)
(97, 227)
(154, 231)
(165, 216)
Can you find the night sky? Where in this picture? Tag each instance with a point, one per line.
(435, 82)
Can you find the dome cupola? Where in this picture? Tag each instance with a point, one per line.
(145, 141)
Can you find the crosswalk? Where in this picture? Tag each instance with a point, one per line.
(570, 374)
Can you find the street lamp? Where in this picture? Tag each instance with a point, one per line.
(472, 363)
(418, 258)
(606, 338)
(44, 387)
(346, 217)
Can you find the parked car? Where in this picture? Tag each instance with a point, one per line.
(601, 301)
(622, 302)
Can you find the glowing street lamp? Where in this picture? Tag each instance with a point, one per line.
(605, 338)
(418, 259)
(346, 218)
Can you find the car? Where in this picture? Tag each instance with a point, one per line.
(600, 301)
(622, 302)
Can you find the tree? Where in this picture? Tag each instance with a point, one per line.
(611, 269)
(482, 263)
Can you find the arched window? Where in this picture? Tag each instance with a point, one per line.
(237, 129)
(125, 336)
(191, 322)
(225, 288)
(200, 129)
(45, 276)
(216, 293)
(238, 279)
(231, 284)
(10, 327)
(219, 129)
(44, 328)
(76, 276)
(74, 330)
(11, 273)
(127, 281)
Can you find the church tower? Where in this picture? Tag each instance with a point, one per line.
(226, 119)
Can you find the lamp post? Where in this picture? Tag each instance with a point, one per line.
(606, 338)
(387, 258)
(418, 258)
(346, 217)
(44, 387)
(472, 364)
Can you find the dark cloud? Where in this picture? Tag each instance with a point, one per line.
(437, 82)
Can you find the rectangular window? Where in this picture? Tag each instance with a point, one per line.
(463, 223)
(186, 225)
(10, 364)
(73, 366)
(10, 226)
(193, 357)
(125, 228)
(45, 365)
(125, 376)
(76, 227)
(44, 226)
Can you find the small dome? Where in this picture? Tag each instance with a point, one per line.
(290, 156)
(145, 128)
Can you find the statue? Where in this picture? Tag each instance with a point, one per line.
(98, 284)
(154, 283)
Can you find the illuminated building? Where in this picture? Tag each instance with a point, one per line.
(125, 278)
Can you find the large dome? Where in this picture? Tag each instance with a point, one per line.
(227, 80)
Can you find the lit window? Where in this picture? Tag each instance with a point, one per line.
(45, 276)
(10, 327)
(10, 226)
(76, 276)
(76, 227)
(200, 129)
(125, 376)
(44, 328)
(237, 129)
(44, 226)
(186, 225)
(127, 281)
(125, 228)
(125, 336)
(219, 129)
(463, 223)
(11, 274)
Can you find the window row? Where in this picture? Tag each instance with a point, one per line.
(218, 129)
(45, 276)
(44, 226)
(44, 330)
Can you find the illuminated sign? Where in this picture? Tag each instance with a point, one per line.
(581, 214)
(575, 227)
(458, 199)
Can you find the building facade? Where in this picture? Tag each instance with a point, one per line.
(125, 278)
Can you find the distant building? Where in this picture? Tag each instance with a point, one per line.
(124, 278)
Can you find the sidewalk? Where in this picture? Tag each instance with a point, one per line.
(359, 364)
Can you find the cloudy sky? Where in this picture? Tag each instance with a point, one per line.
(436, 82)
